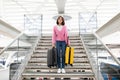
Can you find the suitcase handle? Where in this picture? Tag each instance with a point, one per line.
(67, 41)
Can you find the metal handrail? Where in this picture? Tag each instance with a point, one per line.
(11, 43)
(93, 67)
(21, 68)
(109, 51)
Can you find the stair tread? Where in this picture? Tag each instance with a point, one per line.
(50, 45)
(55, 70)
(45, 56)
(51, 74)
(45, 53)
(42, 48)
(50, 40)
(44, 64)
(67, 67)
(34, 61)
(76, 50)
(75, 59)
(71, 38)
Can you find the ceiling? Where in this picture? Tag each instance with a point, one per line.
(66, 6)
(106, 9)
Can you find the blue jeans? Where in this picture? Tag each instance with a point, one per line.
(61, 46)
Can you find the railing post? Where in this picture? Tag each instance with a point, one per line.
(17, 49)
(97, 58)
(79, 22)
(41, 23)
(97, 50)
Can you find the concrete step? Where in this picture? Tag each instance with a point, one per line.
(75, 36)
(53, 74)
(77, 54)
(44, 64)
(87, 35)
(45, 56)
(75, 51)
(72, 78)
(89, 38)
(51, 70)
(41, 62)
(50, 40)
(48, 47)
(44, 60)
(71, 38)
(54, 70)
(40, 53)
(75, 59)
(50, 44)
(66, 67)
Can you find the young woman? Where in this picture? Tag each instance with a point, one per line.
(60, 40)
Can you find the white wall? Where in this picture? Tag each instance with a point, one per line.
(4, 74)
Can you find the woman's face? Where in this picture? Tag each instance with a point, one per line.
(60, 20)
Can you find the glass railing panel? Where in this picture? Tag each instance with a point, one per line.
(14, 54)
(115, 49)
(101, 59)
(24, 48)
(8, 52)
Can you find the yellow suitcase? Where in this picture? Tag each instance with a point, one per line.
(69, 55)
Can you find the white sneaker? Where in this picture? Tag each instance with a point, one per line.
(63, 70)
(59, 70)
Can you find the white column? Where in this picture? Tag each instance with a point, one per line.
(1, 8)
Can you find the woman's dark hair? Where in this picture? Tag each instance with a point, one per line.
(63, 22)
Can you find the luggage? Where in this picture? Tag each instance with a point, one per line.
(69, 55)
(32, 78)
(85, 78)
(51, 57)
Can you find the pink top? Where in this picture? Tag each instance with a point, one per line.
(60, 35)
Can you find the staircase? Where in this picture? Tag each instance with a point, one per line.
(37, 65)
